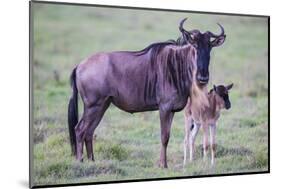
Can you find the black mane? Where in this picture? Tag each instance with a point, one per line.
(158, 46)
(176, 69)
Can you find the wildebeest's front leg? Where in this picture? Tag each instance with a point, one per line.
(213, 142)
(166, 118)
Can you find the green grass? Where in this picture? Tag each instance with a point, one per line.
(127, 146)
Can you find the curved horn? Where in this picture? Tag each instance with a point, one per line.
(221, 34)
(181, 25)
(185, 34)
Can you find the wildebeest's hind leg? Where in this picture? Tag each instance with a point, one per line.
(84, 131)
(166, 118)
(98, 114)
(79, 142)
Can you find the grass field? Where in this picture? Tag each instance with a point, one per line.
(126, 145)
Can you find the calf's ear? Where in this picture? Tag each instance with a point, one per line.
(218, 41)
(215, 88)
(229, 86)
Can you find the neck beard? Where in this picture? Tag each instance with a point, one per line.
(199, 96)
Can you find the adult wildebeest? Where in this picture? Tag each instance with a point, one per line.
(158, 77)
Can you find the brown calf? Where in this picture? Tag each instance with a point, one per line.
(205, 116)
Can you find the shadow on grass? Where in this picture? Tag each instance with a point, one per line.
(67, 171)
(222, 151)
(95, 170)
(240, 151)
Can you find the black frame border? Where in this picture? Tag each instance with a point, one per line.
(31, 185)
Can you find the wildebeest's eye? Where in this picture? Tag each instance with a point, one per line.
(195, 45)
(193, 37)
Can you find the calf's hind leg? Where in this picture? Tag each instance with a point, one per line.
(192, 138)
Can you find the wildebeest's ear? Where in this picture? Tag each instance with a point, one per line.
(215, 88)
(218, 41)
(229, 86)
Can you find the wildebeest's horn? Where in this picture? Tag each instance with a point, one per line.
(221, 34)
(185, 34)
(181, 25)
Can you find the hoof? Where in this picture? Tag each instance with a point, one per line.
(80, 160)
(91, 158)
(162, 165)
(184, 164)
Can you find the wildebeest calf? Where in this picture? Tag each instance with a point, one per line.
(207, 117)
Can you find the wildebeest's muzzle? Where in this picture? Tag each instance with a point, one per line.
(227, 104)
(202, 76)
(203, 79)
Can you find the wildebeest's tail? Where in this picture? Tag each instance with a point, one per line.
(73, 111)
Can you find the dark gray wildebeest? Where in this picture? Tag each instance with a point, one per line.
(158, 77)
(197, 116)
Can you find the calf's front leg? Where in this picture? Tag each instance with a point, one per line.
(213, 142)
(205, 141)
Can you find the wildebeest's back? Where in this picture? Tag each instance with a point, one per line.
(121, 76)
(130, 82)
